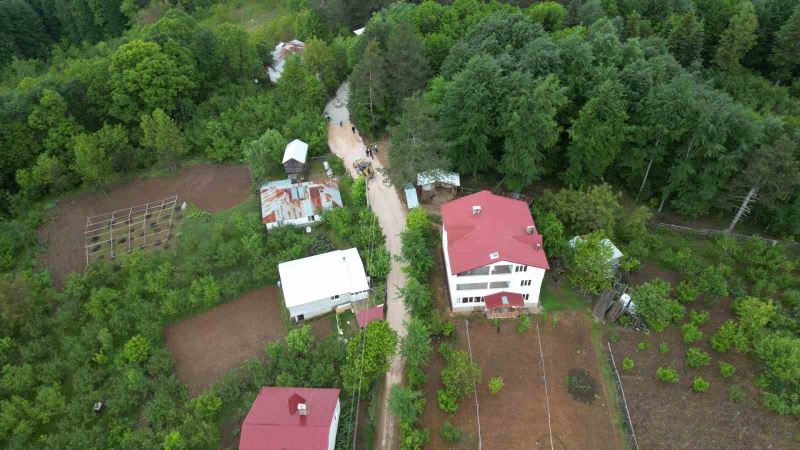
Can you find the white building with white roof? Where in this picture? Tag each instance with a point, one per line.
(316, 285)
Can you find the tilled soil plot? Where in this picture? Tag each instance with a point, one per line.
(209, 344)
(567, 345)
(672, 416)
(213, 188)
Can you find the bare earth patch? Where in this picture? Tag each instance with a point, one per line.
(209, 344)
(213, 188)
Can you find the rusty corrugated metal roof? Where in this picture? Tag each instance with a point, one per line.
(283, 200)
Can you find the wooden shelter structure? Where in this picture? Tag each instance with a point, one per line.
(615, 302)
(506, 305)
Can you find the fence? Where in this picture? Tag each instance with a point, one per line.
(708, 232)
(462, 191)
(623, 402)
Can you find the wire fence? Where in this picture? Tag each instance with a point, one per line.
(712, 233)
(626, 420)
(462, 191)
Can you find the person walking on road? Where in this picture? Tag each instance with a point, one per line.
(341, 124)
(354, 128)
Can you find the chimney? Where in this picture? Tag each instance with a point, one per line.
(302, 409)
(530, 229)
(476, 210)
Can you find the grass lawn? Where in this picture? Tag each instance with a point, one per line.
(250, 14)
(561, 298)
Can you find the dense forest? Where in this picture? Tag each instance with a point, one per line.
(686, 105)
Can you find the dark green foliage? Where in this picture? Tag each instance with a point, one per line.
(450, 433)
(736, 394)
(459, 377)
(581, 385)
(726, 337)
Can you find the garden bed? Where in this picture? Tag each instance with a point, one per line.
(673, 416)
(212, 188)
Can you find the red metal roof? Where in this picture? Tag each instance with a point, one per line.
(500, 226)
(369, 315)
(496, 300)
(273, 422)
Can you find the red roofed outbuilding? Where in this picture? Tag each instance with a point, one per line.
(289, 418)
(491, 245)
(365, 316)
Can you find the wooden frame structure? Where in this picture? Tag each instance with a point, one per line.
(122, 231)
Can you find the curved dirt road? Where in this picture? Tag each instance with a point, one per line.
(386, 204)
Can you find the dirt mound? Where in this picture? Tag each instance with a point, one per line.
(211, 187)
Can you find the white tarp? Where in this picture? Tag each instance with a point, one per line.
(296, 150)
(308, 280)
(438, 176)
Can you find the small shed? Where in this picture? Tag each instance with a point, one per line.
(437, 178)
(294, 159)
(411, 196)
(616, 254)
(366, 316)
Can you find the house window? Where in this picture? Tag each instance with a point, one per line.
(501, 269)
(498, 285)
(526, 297)
(310, 218)
(521, 269)
(335, 297)
(479, 271)
(470, 286)
(471, 300)
(525, 283)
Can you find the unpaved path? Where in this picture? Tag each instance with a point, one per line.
(386, 204)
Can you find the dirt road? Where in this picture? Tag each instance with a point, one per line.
(386, 204)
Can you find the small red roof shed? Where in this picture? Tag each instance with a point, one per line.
(366, 316)
(275, 422)
(504, 299)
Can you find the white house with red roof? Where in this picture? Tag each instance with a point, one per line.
(491, 246)
(284, 418)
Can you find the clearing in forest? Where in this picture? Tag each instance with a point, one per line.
(210, 187)
(209, 344)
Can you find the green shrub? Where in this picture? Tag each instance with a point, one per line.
(736, 393)
(667, 375)
(726, 337)
(136, 349)
(448, 328)
(687, 291)
(698, 317)
(655, 306)
(447, 402)
(450, 433)
(523, 324)
(699, 384)
(691, 333)
(627, 363)
(726, 370)
(663, 348)
(643, 345)
(696, 358)
(613, 337)
(495, 385)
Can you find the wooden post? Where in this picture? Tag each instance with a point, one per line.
(144, 225)
(111, 234)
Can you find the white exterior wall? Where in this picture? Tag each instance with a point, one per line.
(296, 222)
(535, 274)
(325, 305)
(334, 427)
